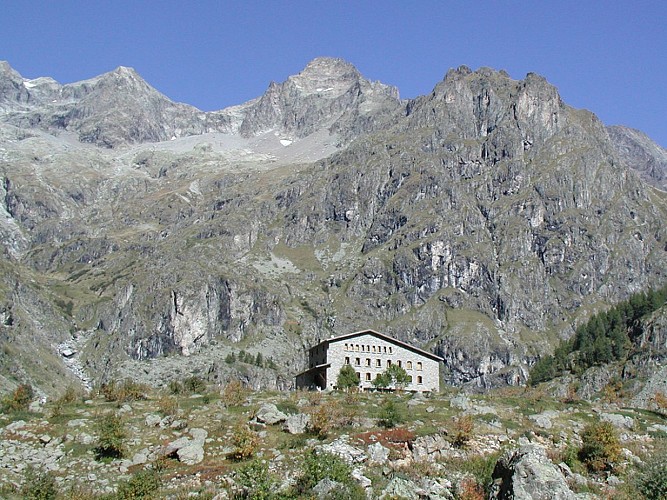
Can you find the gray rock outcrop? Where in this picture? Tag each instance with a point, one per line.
(527, 474)
(269, 414)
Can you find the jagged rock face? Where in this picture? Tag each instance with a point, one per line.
(119, 107)
(527, 473)
(327, 94)
(641, 154)
(482, 221)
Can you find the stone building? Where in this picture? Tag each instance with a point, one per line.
(369, 353)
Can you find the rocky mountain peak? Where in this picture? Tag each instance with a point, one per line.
(326, 76)
(328, 94)
(11, 85)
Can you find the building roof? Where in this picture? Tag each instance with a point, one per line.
(383, 337)
(314, 369)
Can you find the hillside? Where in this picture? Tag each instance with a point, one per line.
(144, 238)
(230, 442)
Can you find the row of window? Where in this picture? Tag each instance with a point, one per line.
(367, 348)
(378, 363)
(367, 377)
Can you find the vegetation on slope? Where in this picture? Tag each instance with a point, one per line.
(606, 337)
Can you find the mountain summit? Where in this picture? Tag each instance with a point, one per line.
(120, 108)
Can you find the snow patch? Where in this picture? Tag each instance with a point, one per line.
(29, 84)
(285, 142)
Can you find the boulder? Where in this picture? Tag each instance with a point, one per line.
(297, 424)
(191, 454)
(270, 414)
(526, 473)
(461, 401)
(543, 419)
(431, 447)
(620, 421)
(326, 487)
(152, 420)
(401, 488)
(377, 454)
(344, 450)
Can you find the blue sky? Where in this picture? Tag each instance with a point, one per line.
(606, 56)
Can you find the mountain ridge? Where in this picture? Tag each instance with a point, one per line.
(483, 221)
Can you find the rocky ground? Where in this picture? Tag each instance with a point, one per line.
(231, 442)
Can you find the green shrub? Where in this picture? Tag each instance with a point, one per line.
(167, 405)
(319, 466)
(391, 414)
(481, 467)
(69, 396)
(142, 484)
(652, 479)
(194, 384)
(38, 485)
(111, 437)
(19, 400)
(126, 391)
(175, 387)
(256, 481)
(601, 447)
(245, 443)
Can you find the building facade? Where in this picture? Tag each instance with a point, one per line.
(369, 353)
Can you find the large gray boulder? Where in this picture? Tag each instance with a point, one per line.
(297, 424)
(270, 414)
(527, 473)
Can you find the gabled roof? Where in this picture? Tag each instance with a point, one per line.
(383, 337)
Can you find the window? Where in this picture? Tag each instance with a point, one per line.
(347, 360)
(385, 349)
(378, 363)
(388, 363)
(358, 375)
(400, 363)
(356, 348)
(357, 361)
(419, 365)
(368, 377)
(408, 365)
(390, 350)
(419, 379)
(345, 347)
(373, 348)
(368, 361)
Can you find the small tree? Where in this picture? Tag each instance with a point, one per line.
(382, 380)
(245, 442)
(463, 427)
(399, 376)
(390, 414)
(601, 446)
(111, 437)
(234, 393)
(19, 400)
(347, 378)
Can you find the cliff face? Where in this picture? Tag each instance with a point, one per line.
(482, 221)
